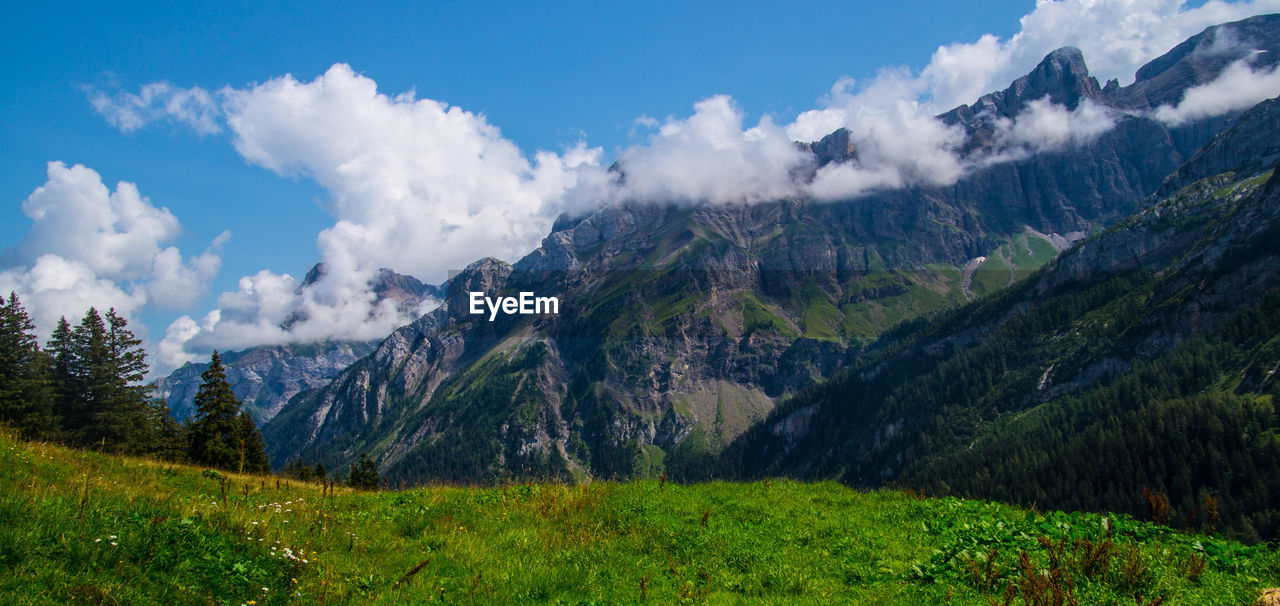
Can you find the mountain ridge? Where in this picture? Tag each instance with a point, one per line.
(700, 317)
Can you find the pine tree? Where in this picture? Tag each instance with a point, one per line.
(170, 436)
(364, 475)
(251, 450)
(90, 382)
(125, 419)
(60, 351)
(222, 435)
(214, 434)
(26, 400)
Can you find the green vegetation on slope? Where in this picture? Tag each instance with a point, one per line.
(79, 526)
(1076, 393)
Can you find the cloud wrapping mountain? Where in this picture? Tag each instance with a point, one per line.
(421, 187)
(1238, 87)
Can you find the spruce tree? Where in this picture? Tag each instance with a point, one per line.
(364, 475)
(170, 443)
(125, 419)
(214, 434)
(252, 451)
(60, 351)
(222, 435)
(91, 381)
(26, 400)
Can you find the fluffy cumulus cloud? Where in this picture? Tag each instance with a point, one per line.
(1047, 126)
(897, 140)
(710, 157)
(90, 246)
(414, 185)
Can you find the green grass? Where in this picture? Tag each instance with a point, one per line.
(819, 316)
(1013, 261)
(757, 316)
(178, 540)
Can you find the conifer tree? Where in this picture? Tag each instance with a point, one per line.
(125, 419)
(365, 475)
(221, 435)
(60, 351)
(170, 436)
(90, 382)
(252, 450)
(214, 432)
(26, 400)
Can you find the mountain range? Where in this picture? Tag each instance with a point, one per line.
(265, 377)
(912, 335)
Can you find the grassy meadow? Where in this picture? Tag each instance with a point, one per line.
(80, 527)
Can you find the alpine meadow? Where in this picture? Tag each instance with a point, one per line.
(1002, 328)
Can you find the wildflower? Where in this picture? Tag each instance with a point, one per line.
(97, 540)
(113, 543)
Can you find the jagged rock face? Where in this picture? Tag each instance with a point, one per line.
(264, 378)
(1248, 147)
(679, 327)
(1064, 79)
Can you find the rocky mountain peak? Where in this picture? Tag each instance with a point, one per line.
(488, 275)
(1199, 60)
(1062, 76)
(833, 148)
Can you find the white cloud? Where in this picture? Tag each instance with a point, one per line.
(415, 185)
(54, 287)
(89, 246)
(897, 141)
(709, 157)
(1115, 36)
(1045, 125)
(194, 107)
(118, 234)
(1238, 87)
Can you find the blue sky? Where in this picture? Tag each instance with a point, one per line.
(548, 75)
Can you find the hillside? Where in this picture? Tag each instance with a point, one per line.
(683, 325)
(1142, 357)
(83, 527)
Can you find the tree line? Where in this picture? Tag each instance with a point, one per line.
(86, 388)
